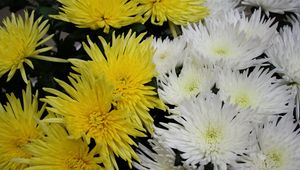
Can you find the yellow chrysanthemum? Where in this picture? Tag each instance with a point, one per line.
(87, 112)
(179, 12)
(58, 151)
(127, 64)
(19, 40)
(18, 129)
(97, 14)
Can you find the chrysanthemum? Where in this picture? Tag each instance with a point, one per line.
(60, 152)
(128, 65)
(179, 12)
(208, 131)
(163, 157)
(168, 53)
(256, 89)
(19, 41)
(221, 42)
(95, 14)
(18, 128)
(192, 80)
(275, 5)
(87, 112)
(284, 53)
(277, 146)
(255, 26)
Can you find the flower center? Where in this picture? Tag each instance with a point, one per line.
(213, 135)
(274, 159)
(21, 141)
(242, 100)
(76, 163)
(122, 82)
(163, 55)
(191, 86)
(19, 148)
(98, 120)
(221, 51)
(122, 88)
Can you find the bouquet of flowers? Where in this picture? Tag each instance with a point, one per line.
(150, 84)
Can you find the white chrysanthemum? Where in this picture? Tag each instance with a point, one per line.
(285, 56)
(275, 6)
(255, 26)
(222, 43)
(256, 89)
(168, 54)
(278, 147)
(209, 131)
(218, 7)
(285, 53)
(192, 80)
(163, 157)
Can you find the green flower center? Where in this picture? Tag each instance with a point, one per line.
(221, 51)
(213, 135)
(242, 100)
(191, 86)
(274, 159)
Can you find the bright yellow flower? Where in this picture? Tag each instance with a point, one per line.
(180, 12)
(87, 112)
(19, 40)
(58, 151)
(97, 14)
(129, 67)
(18, 129)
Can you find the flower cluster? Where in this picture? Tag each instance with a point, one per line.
(231, 92)
(221, 90)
